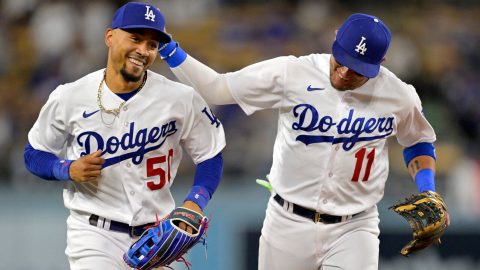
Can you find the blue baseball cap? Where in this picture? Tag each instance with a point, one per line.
(136, 15)
(361, 44)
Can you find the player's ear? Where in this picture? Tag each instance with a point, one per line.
(108, 37)
(336, 31)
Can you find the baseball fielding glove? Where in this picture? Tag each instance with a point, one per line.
(166, 242)
(427, 215)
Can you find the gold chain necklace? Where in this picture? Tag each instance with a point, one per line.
(115, 111)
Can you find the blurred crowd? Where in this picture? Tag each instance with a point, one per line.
(434, 47)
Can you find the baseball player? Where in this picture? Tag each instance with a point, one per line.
(330, 160)
(115, 139)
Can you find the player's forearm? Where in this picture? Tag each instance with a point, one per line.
(420, 163)
(206, 180)
(46, 165)
(210, 84)
(420, 160)
(422, 170)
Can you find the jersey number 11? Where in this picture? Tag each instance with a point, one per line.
(360, 156)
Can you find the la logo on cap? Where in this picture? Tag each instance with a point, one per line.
(361, 49)
(149, 15)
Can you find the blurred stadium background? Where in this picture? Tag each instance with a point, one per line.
(435, 47)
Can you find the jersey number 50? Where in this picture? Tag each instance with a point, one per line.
(152, 171)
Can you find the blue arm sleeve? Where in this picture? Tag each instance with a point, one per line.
(206, 180)
(419, 149)
(46, 165)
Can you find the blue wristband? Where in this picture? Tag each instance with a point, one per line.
(166, 49)
(198, 195)
(173, 54)
(424, 179)
(60, 169)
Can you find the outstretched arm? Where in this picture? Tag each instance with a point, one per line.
(211, 85)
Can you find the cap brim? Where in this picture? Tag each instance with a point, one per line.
(366, 69)
(164, 38)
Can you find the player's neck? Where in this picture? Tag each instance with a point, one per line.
(118, 85)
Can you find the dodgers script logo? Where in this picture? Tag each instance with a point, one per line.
(350, 128)
(136, 141)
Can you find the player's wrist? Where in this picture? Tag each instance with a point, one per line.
(61, 170)
(166, 49)
(172, 53)
(425, 180)
(199, 196)
(192, 206)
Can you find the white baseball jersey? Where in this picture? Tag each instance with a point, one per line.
(330, 152)
(142, 146)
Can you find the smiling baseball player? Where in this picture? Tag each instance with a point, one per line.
(115, 139)
(330, 159)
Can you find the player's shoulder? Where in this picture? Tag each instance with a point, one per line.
(159, 79)
(311, 59)
(170, 87)
(314, 59)
(79, 87)
(93, 77)
(317, 61)
(388, 80)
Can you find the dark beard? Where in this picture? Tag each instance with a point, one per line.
(129, 77)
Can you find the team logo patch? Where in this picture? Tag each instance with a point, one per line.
(213, 119)
(361, 47)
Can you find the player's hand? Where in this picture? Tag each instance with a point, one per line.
(87, 168)
(192, 206)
